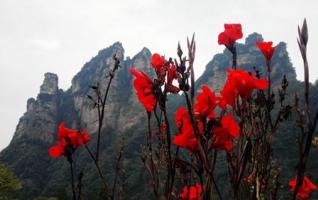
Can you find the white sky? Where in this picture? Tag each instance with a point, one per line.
(38, 36)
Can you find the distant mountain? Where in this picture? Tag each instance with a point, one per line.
(248, 57)
(124, 117)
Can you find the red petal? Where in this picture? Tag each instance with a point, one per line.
(266, 48)
(144, 86)
(85, 137)
(157, 61)
(56, 151)
(230, 124)
(261, 84)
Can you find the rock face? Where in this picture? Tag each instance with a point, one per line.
(124, 116)
(50, 84)
(36, 130)
(41, 112)
(248, 57)
(120, 95)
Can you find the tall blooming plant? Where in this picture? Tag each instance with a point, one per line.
(237, 121)
(69, 140)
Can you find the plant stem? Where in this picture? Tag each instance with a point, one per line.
(234, 57)
(98, 169)
(100, 124)
(217, 189)
(117, 170)
(103, 101)
(152, 167)
(72, 179)
(168, 135)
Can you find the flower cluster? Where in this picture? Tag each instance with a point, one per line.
(166, 72)
(239, 83)
(222, 136)
(68, 140)
(146, 88)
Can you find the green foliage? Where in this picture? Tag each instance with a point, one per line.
(9, 182)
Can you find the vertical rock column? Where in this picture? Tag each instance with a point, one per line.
(40, 120)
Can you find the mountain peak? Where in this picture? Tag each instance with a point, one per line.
(141, 61)
(50, 84)
(145, 51)
(252, 38)
(115, 49)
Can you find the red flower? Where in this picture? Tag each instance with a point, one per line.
(172, 74)
(228, 95)
(231, 33)
(266, 48)
(245, 83)
(157, 61)
(68, 138)
(193, 192)
(206, 102)
(144, 89)
(241, 83)
(224, 135)
(185, 137)
(305, 189)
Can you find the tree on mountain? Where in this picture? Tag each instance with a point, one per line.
(9, 182)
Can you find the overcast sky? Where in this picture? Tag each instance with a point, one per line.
(38, 36)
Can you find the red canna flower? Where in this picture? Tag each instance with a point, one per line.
(231, 33)
(245, 83)
(185, 137)
(224, 135)
(144, 89)
(206, 102)
(157, 61)
(241, 83)
(305, 189)
(266, 48)
(68, 138)
(172, 74)
(228, 95)
(193, 192)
